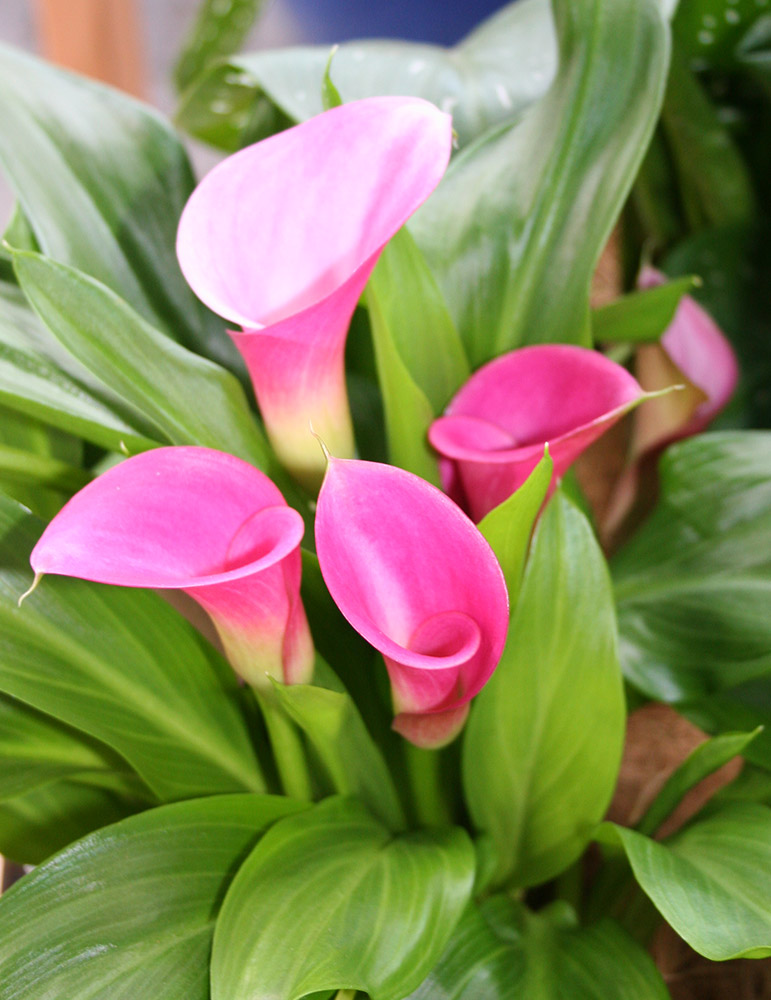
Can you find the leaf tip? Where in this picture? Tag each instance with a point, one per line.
(30, 590)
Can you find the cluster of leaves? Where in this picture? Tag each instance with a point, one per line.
(413, 873)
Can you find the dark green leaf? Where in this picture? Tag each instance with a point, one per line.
(543, 743)
(491, 76)
(501, 951)
(123, 666)
(219, 30)
(710, 31)
(640, 316)
(694, 585)
(743, 707)
(331, 899)
(128, 913)
(515, 229)
(711, 881)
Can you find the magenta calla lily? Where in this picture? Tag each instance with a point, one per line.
(493, 432)
(203, 522)
(417, 580)
(281, 239)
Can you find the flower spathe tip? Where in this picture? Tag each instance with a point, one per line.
(30, 590)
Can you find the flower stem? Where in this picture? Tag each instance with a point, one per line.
(425, 778)
(287, 747)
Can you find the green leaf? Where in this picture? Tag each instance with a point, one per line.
(129, 912)
(123, 666)
(39, 378)
(489, 77)
(693, 586)
(219, 30)
(330, 95)
(420, 359)
(330, 899)
(701, 762)
(640, 316)
(543, 742)
(508, 526)
(102, 181)
(744, 707)
(353, 761)
(711, 881)
(190, 399)
(515, 229)
(710, 38)
(501, 951)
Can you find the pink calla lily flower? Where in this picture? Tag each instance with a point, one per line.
(418, 581)
(494, 431)
(694, 351)
(203, 522)
(282, 237)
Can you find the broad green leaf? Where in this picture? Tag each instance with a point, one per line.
(190, 399)
(700, 763)
(711, 881)
(39, 378)
(123, 666)
(744, 707)
(420, 359)
(752, 785)
(693, 587)
(640, 316)
(331, 899)
(353, 761)
(508, 526)
(219, 30)
(501, 951)
(543, 742)
(515, 229)
(128, 913)
(102, 181)
(489, 77)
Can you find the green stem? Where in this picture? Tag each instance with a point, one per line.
(345, 995)
(287, 747)
(425, 779)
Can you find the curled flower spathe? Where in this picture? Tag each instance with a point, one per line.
(281, 239)
(203, 522)
(418, 581)
(493, 432)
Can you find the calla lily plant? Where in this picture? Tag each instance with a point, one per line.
(318, 650)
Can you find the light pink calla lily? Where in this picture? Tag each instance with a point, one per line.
(203, 522)
(418, 581)
(282, 237)
(494, 431)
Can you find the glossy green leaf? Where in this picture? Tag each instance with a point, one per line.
(219, 30)
(489, 77)
(501, 951)
(351, 758)
(331, 899)
(129, 912)
(190, 399)
(39, 378)
(640, 316)
(543, 742)
(693, 586)
(420, 359)
(121, 180)
(516, 227)
(701, 762)
(508, 526)
(123, 666)
(711, 881)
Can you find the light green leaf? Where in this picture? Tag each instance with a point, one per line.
(694, 585)
(701, 762)
(190, 399)
(501, 951)
(543, 742)
(330, 899)
(711, 881)
(219, 30)
(128, 913)
(330, 95)
(509, 525)
(123, 666)
(420, 359)
(489, 77)
(640, 316)
(515, 229)
(353, 761)
(121, 180)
